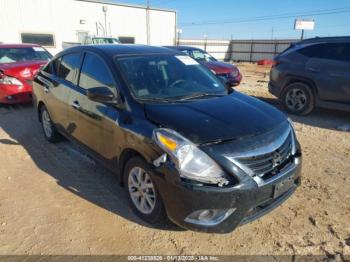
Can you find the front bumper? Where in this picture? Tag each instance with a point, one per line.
(10, 94)
(232, 81)
(249, 200)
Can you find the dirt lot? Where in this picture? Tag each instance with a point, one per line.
(55, 200)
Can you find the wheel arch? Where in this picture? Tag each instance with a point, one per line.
(125, 156)
(40, 105)
(297, 79)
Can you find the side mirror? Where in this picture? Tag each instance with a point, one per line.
(102, 95)
(226, 83)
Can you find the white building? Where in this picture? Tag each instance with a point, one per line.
(56, 23)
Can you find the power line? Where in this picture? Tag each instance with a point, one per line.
(162, 1)
(271, 17)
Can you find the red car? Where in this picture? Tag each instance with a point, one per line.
(18, 65)
(230, 72)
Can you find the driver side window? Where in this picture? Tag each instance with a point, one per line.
(95, 73)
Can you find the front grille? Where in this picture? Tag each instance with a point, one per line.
(268, 164)
(226, 75)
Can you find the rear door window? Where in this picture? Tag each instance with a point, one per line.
(337, 51)
(68, 67)
(52, 67)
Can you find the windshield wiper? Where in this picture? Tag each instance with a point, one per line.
(157, 99)
(199, 95)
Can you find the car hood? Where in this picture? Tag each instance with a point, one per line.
(22, 70)
(231, 117)
(219, 67)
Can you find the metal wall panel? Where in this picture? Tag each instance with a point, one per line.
(240, 50)
(67, 19)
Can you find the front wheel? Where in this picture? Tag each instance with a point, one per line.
(143, 196)
(298, 98)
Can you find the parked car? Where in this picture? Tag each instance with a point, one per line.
(182, 144)
(229, 72)
(313, 73)
(100, 40)
(18, 65)
(92, 40)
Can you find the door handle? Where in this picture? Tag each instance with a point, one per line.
(312, 69)
(46, 89)
(76, 105)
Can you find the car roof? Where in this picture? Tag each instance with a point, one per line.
(18, 45)
(325, 40)
(115, 50)
(183, 47)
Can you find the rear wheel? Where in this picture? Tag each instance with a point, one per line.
(49, 130)
(143, 196)
(298, 98)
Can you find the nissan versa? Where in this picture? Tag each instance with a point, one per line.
(184, 145)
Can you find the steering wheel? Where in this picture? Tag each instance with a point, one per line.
(177, 82)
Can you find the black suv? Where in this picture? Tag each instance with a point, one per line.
(313, 73)
(182, 144)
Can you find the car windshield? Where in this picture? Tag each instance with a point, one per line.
(202, 56)
(13, 55)
(169, 77)
(104, 40)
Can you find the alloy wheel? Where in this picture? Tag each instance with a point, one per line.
(141, 190)
(46, 121)
(296, 99)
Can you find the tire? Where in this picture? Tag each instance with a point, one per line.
(152, 214)
(298, 99)
(49, 130)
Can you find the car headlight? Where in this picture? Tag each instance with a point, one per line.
(294, 143)
(8, 80)
(191, 162)
(234, 72)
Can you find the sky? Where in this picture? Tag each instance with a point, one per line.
(255, 19)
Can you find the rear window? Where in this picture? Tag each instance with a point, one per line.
(13, 55)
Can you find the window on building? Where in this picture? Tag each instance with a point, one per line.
(68, 66)
(40, 39)
(94, 73)
(126, 39)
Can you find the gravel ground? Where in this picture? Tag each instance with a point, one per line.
(56, 200)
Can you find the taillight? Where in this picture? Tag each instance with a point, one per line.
(9, 80)
(276, 62)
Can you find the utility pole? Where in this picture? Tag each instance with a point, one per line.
(148, 24)
(179, 32)
(105, 9)
(302, 34)
(272, 33)
(205, 42)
